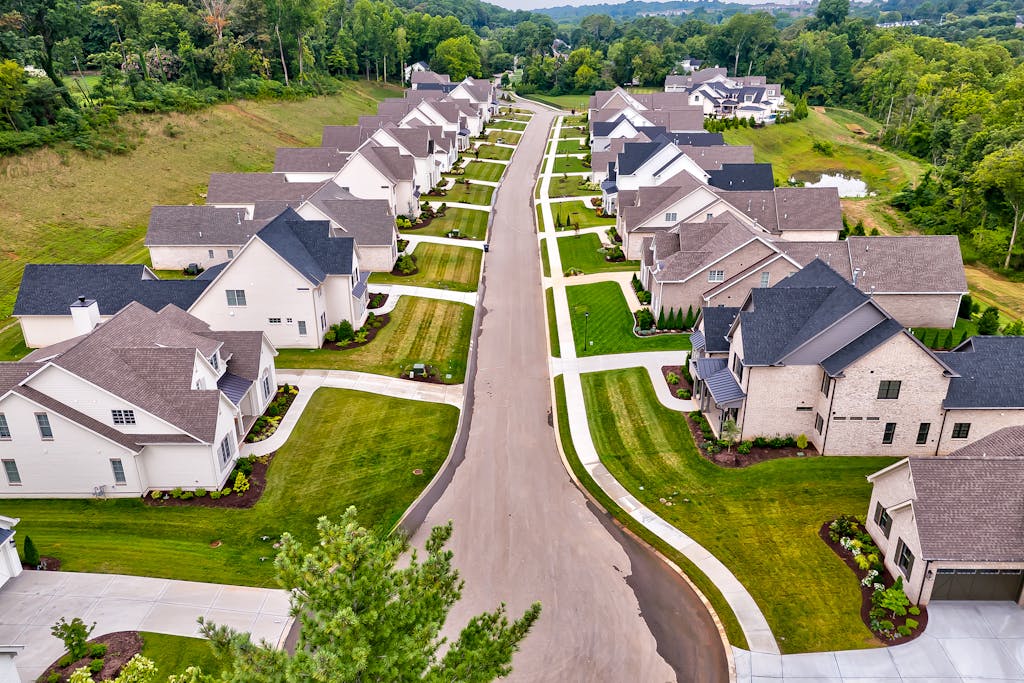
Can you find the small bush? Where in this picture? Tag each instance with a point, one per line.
(912, 624)
(329, 336)
(96, 666)
(75, 635)
(683, 394)
(156, 495)
(64, 661)
(672, 378)
(644, 297)
(200, 492)
(644, 319)
(214, 495)
(406, 264)
(187, 495)
(343, 331)
(903, 630)
(226, 491)
(54, 677)
(801, 441)
(31, 553)
(241, 483)
(915, 611)
(244, 465)
(176, 493)
(744, 448)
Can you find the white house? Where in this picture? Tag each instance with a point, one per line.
(478, 92)
(377, 172)
(146, 400)
(415, 67)
(10, 562)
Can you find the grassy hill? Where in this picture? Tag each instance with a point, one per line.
(65, 206)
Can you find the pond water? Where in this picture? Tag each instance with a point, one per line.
(848, 186)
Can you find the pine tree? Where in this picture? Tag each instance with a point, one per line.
(948, 344)
(690, 318)
(963, 338)
(30, 552)
(677, 320)
(661, 318)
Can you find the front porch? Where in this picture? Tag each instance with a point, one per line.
(716, 392)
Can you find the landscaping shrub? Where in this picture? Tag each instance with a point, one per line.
(637, 285)
(744, 448)
(687, 376)
(176, 493)
(187, 495)
(683, 394)
(329, 336)
(244, 465)
(644, 297)
(406, 264)
(214, 495)
(156, 495)
(966, 303)
(691, 318)
(801, 441)
(343, 331)
(96, 666)
(31, 553)
(672, 378)
(241, 483)
(661, 326)
(644, 318)
(613, 253)
(75, 635)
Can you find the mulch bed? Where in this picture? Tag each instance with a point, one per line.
(620, 259)
(289, 398)
(678, 371)
(756, 455)
(432, 376)
(46, 564)
(866, 592)
(371, 334)
(382, 301)
(121, 647)
(257, 483)
(397, 273)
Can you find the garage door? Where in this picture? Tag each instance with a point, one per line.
(980, 584)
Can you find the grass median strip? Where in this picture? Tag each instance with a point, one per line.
(421, 330)
(609, 327)
(549, 301)
(349, 448)
(761, 521)
(440, 266)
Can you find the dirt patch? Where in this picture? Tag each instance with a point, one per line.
(257, 483)
(46, 564)
(121, 647)
(733, 458)
(866, 592)
(371, 334)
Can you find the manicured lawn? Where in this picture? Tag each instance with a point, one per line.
(582, 252)
(710, 591)
(549, 301)
(482, 170)
(567, 132)
(571, 147)
(421, 330)
(172, 274)
(576, 121)
(570, 165)
(567, 102)
(440, 266)
(12, 344)
(545, 260)
(492, 152)
(579, 212)
(571, 186)
(174, 654)
(507, 137)
(349, 448)
(471, 223)
(467, 193)
(507, 125)
(761, 521)
(610, 326)
(936, 338)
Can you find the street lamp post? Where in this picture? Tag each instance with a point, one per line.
(586, 330)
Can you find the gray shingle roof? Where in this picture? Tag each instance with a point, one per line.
(724, 387)
(712, 157)
(1007, 442)
(690, 247)
(344, 138)
(717, 322)
(420, 77)
(309, 160)
(991, 373)
(969, 509)
(234, 387)
(246, 188)
(308, 246)
(925, 263)
(389, 161)
(870, 340)
(198, 225)
(49, 289)
(743, 177)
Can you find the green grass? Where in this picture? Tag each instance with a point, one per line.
(570, 186)
(471, 223)
(732, 625)
(508, 137)
(761, 521)
(507, 125)
(549, 300)
(12, 343)
(174, 654)
(566, 102)
(440, 266)
(570, 165)
(421, 330)
(482, 170)
(364, 458)
(463, 193)
(493, 152)
(583, 252)
(936, 338)
(172, 274)
(540, 218)
(579, 212)
(575, 121)
(545, 260)
(610, 326)
(570, 147)
(572, 132)
(96, 208)
(847, 118)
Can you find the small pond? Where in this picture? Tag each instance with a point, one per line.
(848, 186)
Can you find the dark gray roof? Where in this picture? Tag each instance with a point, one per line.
(912, 263)
(717, 322)
(421, 77)
(439, 87)
(991, 373)
(969, 509)
(309, 160)
(50, 289)
(308, 246)
(243, 349)
(389, 161)
(705, 367)
(246, 188)
(697, 340)
(635, 154)
(600, 129)
(724, 387)
(234, 387)
(199, 225)
(345, 138)
(696, 139)
(870, 340)
(742, 177)
(1007, 442)
(5, 535)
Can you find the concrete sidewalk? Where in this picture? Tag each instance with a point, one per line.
(460, 205)
(395, 291)
(33, 602)
(415, 239)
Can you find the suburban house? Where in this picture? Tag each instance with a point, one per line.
(953, 527)
(707, 150)
(10, 562)
(815, 355)
(426, 79)
(146, 400)
(415, 67)
(721, 96)
(478, 92)
(311, 164)
(377, 172)
(179, 236)
(919, 280)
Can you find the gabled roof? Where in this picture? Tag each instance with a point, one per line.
(420, 77)
(50, 289)
(991, 373)
(1007, 442)
(308, 246)
(742, 177)
(861, 346)
(394, 165)
(345, 138)
(213, 225)
(246, 188)
(689, 248)
(790, 208)
(638, 206)
(369, 221)
(309, 160)
(712, 157)
(416, 141)
(924, 263)
(718, 321)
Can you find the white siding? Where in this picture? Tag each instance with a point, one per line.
(179, 257)
(44, 330)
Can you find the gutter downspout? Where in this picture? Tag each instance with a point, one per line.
(828, 422)
(942, 429)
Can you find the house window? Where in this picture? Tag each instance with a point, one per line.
(231, 253)
(43, 422)
(803, 409)
(765, 279)
(819, 423)
(302, 328)
(889, 433)
(889, 389)
(224, 450)
(210, 252)
(904, 558)
(323, 321)
(123, 417)
(236, 297)
(826, 384)
(215, 362)
(200, 384)
(118, 468)
(961, 430)
(670, 217)
(737, 367)
(11, 470)
(770, 92)
(922, 433)
(266, 384)
(274, 321)
(882, 519)
(5, 429)
(710, 216)
(716, 276)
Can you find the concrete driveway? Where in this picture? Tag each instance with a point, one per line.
(523, 532)
(31, 603)
(965, 642)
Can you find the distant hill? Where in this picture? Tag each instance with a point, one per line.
(635, 8)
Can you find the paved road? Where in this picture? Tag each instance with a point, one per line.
(523, 532)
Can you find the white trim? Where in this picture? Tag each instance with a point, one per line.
(886, 470)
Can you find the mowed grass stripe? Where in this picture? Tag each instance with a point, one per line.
(761, 521)
(466, 193)
(471, 223)
(440, 266)
(421, 330)
(570, 165)
(493, 152)
(483, 170)
(610, 325)
(346, 450)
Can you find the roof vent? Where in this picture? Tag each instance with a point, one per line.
(238, 217)
(856, 274)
